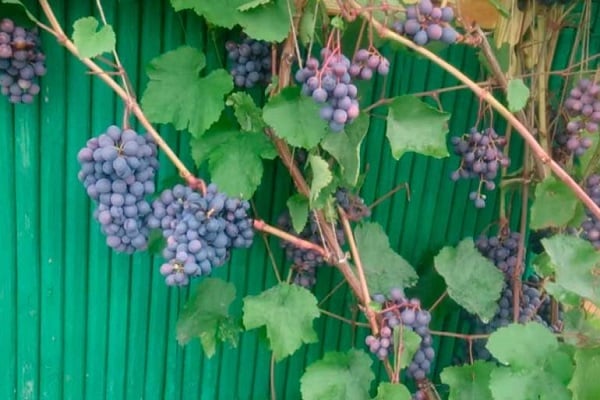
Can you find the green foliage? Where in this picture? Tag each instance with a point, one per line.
(247, 113)
(91, 41)
(298, 207)
(577, 265)
(321, 177)
(473, 281)
(469, 382)
(585, 384)
(392, 391)
(295, 118)
(234, 157)
(338, 376)
(554, 206)
(200, 100)
(260, 19)
(406, 343)
(287, 311)
(384, 268)
(517, 94)
(206, 315)
(415, 126)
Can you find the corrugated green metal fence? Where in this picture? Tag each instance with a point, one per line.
(80, 322)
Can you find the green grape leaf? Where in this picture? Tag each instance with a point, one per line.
(298, 207)
(306, 29)
(384, 268)
(90, 41)
(554, 205)
(412, 125)
(345, 148)
(234, 158)
(473, 280)
(581, 328)
(510, 343)
(392, 391)
(517, 94)
(206, 315)
(247, 113)
(410, 343)
(287, 312)
(253, 4)
(585, 384)
(321, 176)
(338, 376)
(577, 265)
(469, 382)
(260, 19)
(176, 93)
(295, 118)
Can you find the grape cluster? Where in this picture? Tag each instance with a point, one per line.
(117, 170)
(251, 62)
(199, 229)
(399, 310)
(21, 62)
(354, 206)
(330, 84)
(425, 23)
(365, 62)
(481, 157)
(583, 112)
(501, 250)
(591, 226)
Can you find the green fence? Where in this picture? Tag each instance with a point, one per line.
(81, 322)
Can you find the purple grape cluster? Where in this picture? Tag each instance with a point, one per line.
(591, 226)
(398, 310)
(425, 23)
(481, 157)
(21, 62)
(199, 229)
(329, 84)
(501, 250)
(251, 62)
(117, 171)
(353, 205)
(365, 62)
(582, 107)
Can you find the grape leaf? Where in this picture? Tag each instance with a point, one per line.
(252, 4)
(287, 311)
(90, 41)
(234, 157)
(585, 384)
(554, 205)
(508, 344)
(384, 268)
(295, 118)
(581, 328)
(206, 315)
(247, 113)
(298, 206)
(412, 125)
(473, 281)
(410, 343)
(175, 75)
(469, 382)
(338, 376)
(392, 391)
(270, 22)
(321, 176)
(345, 148)
(577, 265)
(517, 94)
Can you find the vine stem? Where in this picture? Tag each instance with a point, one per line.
(340, 318)
(262, 226)
(130, 101)
(528, 137)
(460, 335)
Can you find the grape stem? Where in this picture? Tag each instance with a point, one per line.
(262, 226)
(531, 141)
(130, 102)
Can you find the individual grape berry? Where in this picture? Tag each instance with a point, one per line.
(481, 157)
(200, 230)
(117, 171)
(251, 62)
(21, 62)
